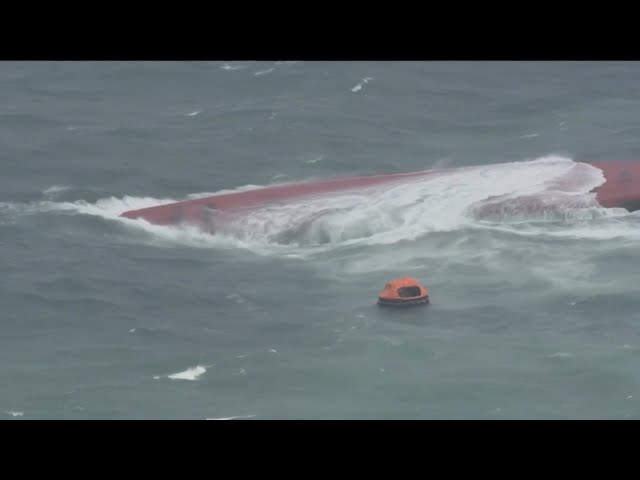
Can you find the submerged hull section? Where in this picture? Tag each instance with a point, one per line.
(620, 189)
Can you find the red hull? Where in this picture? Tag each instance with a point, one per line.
(621, 189)
(622, 185)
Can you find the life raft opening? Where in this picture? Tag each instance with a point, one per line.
(403, 292)
(408, 292)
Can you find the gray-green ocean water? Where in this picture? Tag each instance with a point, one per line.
(534, 314)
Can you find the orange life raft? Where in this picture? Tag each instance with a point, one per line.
(403, 292)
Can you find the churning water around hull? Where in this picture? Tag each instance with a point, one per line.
(520, 197)
(534, 309)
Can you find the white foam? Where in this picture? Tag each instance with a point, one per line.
(110, 208)
(235, 297)
(194, 113)
(272, 68)
(392, 213)
(497, 197)
(227, 66)
(55, 189)
(192, 373)
(314, 159)
(560, 355)
(530, 135)
(360, 84)
(243, 188)
(15, 414)
(263, 72)
(233, 418)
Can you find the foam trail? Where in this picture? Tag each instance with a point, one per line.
(233, 418)
(264, 72)
(560, 355)
(51, 191)
(244, 188)
(110, 208)
(314, 159)
(192, 373)
(361, 84)
(389, 214)
(229, 67)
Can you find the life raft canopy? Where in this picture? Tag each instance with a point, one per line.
(403, 292)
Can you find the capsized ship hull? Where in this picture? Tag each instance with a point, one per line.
(620, 189)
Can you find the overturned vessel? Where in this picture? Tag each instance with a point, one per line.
(620, 188)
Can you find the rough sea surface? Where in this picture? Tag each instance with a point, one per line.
(535, 312)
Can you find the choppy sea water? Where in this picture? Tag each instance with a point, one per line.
(534, 311)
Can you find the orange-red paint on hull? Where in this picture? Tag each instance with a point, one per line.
(620, 189)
